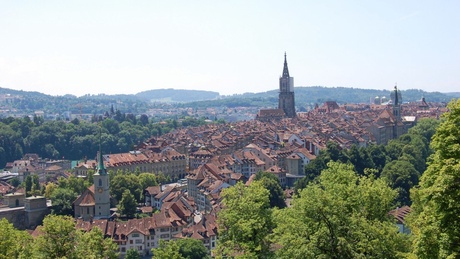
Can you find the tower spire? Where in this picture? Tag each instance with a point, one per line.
(285, 68)
(100, 165)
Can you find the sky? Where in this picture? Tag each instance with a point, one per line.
(231, 47)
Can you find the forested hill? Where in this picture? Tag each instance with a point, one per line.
(174, 95)
(27, 102)
(319, 94)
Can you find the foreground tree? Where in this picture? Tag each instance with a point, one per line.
(245, 222)
(58, 238)
(13, 243)
(343, 215)
(272, 184)
(167, 250)
(93, 245)
(435, 220)
(186, 248)
(132, 254)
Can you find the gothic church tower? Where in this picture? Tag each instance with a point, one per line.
(286, 94)
(101, 190)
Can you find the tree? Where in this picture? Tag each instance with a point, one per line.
(167, 250)
(132, 254)
(92, 244)
(434, 219)
(401, 176)
(245, 221)
(191, 248)
(13, 243)
(57, 239)
(343, 215)
(122, 182)
(62, 200)
(271, 183)
(147, 179)
(31, 184)
(127, 205)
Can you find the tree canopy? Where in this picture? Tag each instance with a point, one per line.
(342, 215)
(434, 220)
(245, 221)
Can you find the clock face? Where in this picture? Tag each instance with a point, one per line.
(100, 190)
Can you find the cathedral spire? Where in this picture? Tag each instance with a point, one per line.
(285, 68)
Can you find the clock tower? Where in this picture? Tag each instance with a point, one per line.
(101, 190)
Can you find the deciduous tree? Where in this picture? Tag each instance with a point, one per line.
(435, 220)
(343, 215)
(245, 221)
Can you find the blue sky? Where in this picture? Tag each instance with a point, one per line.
(125, 47)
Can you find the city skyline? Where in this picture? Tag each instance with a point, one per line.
(113, 47)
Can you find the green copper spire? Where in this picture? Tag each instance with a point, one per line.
(100, 165)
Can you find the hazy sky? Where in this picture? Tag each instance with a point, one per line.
(114, 47)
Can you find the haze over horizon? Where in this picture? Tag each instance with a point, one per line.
(116, 47)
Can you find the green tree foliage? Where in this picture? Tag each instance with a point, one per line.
(167, 250)
(271, 183)
(132, 254)
(401, 176)
(147, 179)
(127, 205)
(62, 200)
(13, 243)
(32, 184)
(187, 248)
(191, 248)
(59, 239)
(435, 220)
(75, 184)
(93, 245)
(426, 128)
(245, 221)
(343, 215)
(122, 182)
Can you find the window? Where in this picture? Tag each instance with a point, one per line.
(100, 182)
(135, 235)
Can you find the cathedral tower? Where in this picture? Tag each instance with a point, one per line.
(286, 94)
(101, 190)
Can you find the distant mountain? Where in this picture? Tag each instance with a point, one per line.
(177, 96)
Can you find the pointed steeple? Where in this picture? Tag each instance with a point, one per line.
(396, 102)
(100, 165)
(285, 68)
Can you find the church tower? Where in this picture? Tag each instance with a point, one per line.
(286, 94)
(396, 98)
(101, 190)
